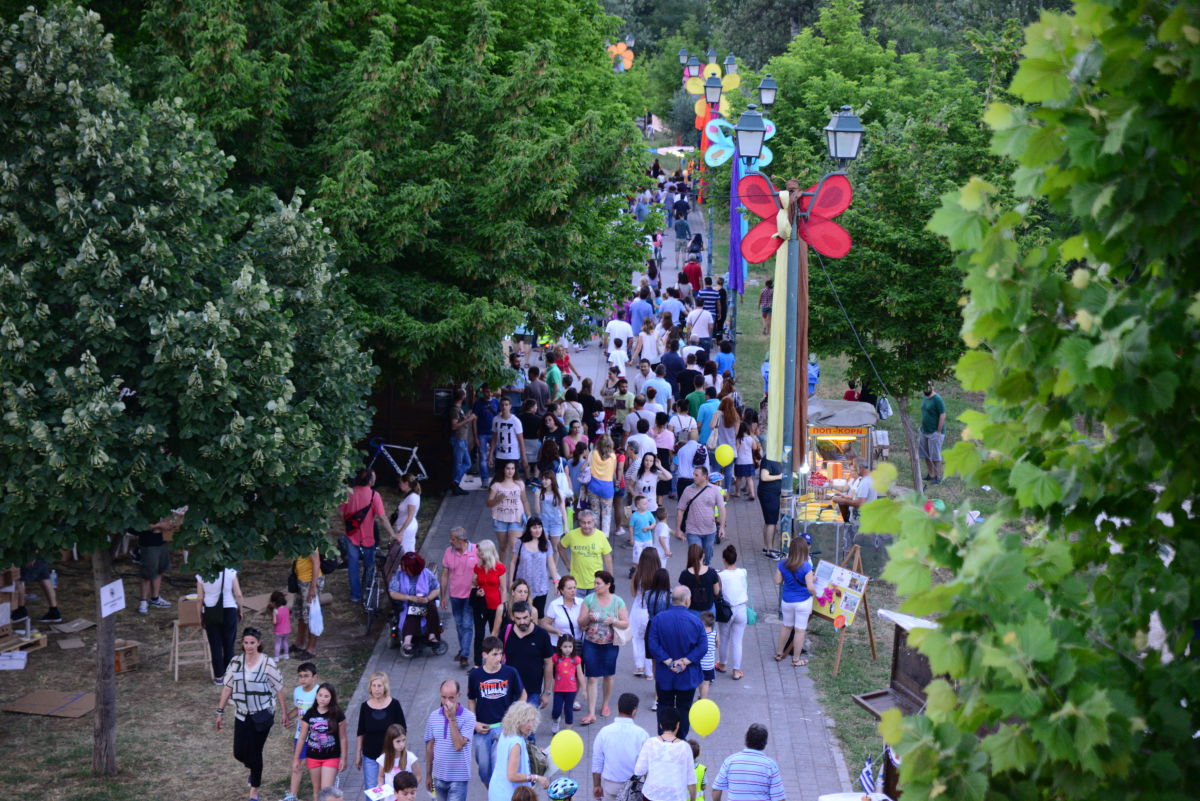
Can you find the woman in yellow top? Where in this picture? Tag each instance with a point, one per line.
(306, 568)
(601, 488)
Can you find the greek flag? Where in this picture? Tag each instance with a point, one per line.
(893, 756)
(867, 778)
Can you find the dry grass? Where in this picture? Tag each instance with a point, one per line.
(166, 744)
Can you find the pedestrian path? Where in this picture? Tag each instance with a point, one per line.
(782, 697)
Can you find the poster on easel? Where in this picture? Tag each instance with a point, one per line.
(839, 593)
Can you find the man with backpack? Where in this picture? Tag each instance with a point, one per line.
(695, 521)
(362, 508)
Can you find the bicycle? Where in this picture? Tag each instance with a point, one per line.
(374, 591)
(412, 465)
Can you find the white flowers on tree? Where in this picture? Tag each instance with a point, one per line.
(157, 346)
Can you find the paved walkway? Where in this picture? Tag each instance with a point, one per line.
(777, 694)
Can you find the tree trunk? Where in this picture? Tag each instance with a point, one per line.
(910, 437)
(104, 732)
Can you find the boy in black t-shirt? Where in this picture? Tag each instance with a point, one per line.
(491, 690)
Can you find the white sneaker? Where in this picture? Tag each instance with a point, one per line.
(160, 603)
(554, 728)
(143, 608)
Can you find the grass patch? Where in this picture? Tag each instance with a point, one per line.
(166, 743)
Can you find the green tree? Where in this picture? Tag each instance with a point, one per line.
(759, 30)
(157, 348)
(470, 157)
(898, 284)
(1067, 618)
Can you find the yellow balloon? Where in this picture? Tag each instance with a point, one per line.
(711, 70)
(695, 86)
(704, 716)
(700, 107)
(731, 82)
(724, 458)
(566, 749)
(725, 107)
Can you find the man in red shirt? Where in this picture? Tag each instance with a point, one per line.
(362, 506)
(693, 273)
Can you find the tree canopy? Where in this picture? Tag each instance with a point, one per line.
(158, 348)
(1066, 619)
(898, 284)
(470, 157)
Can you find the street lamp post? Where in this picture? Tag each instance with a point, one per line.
(843, 139)
(788, 409)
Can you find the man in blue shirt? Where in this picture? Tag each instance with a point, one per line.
(674, 364)
(662, 387)
(639, 310)
(706, 412)
(674, 306)
(750, 775)
(677, 642)
(485, 409)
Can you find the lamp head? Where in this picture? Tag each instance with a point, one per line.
(683, 57)
(712, 90)
(712, 56)
(750, 132)
(731, 66)
(767, 90)
(844, 134)
(693, 67)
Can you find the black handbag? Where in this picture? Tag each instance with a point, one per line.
(724, 611)
(262, 720)
(215, 615)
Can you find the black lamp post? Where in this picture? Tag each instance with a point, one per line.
(712, 56)
(767, 89)
(683, 57)
(693, 67)
(730, 65)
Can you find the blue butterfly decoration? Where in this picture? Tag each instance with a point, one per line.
(721, 132)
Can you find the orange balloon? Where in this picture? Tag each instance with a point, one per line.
(839, 622)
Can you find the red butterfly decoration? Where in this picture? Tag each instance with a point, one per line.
(758, 194)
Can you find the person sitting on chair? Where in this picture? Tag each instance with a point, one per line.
(415, 589)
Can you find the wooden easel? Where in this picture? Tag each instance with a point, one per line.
(852, 562)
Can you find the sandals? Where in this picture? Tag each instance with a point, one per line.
(737, 675)
(588, 720)
(778, 656)
(801, 662)
(606, 712)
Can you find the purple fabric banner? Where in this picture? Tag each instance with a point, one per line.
(736, 278)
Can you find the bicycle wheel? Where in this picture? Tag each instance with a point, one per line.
(370, 602)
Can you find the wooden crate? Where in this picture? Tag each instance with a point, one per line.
(35, 643)
(126, 655)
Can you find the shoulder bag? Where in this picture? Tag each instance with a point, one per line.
(632, 790)
(563, 480)
(724, 612)
(539, 762)
(687, 508)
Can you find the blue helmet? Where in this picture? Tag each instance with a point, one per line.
(563, 788)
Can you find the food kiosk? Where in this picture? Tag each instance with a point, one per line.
(840, 433)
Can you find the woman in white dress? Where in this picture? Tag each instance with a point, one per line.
(405, 522)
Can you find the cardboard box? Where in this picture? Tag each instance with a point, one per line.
(54, 704)
(6, 628)
(125, 655)
(189, 612)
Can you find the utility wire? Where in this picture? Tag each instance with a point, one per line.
(887, 392)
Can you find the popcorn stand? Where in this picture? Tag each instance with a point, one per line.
(840, 433)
